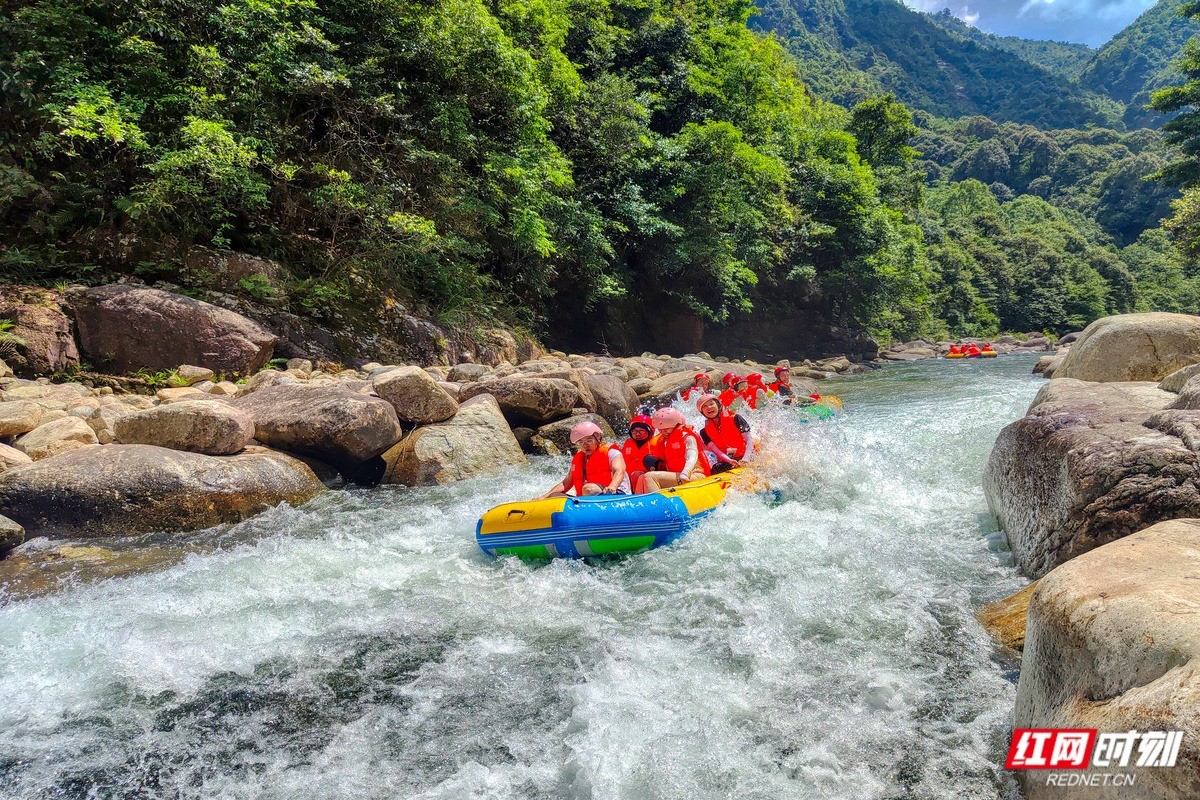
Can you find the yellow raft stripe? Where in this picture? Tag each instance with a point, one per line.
(528, 516)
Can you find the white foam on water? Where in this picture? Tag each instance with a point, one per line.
(815, 642)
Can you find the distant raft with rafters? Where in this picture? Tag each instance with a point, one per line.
(578, 527)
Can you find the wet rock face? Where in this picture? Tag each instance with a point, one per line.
(123, 490)
(1113, 643)
(476, 441)
(1133, 347)
(335, 425)
(127, 328)
(1090, 464)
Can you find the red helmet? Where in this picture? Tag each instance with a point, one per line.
(698, 376)
(729, 379)
(782, 368)
(755, 378)
(814, 396)
(644, 421)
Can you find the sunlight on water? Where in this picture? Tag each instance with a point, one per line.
(816, 642)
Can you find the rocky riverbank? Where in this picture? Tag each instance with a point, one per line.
(1098, 491)
(108, 455)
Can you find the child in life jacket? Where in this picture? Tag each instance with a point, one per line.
(596, 468)
(679, 453)
(637, 447)
(700, 382)
(727, 438)
(729, 395)
(750, 388)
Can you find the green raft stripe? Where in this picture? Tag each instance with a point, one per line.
(625, 544)
(524, 551)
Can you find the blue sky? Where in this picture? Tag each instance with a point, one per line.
(1090, 21)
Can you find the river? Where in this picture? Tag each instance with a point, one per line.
(817, 642)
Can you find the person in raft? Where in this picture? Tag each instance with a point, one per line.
(597, 468)
(678, 454)
(782, 385)
(638, 446)
(972, 350)
(726, 436)
(700, 382)
(729, 395)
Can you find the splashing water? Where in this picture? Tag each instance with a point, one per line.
(817, 642)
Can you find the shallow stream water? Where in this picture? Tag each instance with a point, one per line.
(817, 642)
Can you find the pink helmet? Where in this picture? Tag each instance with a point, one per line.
(667, 418)
(583, 430)
(704, 398)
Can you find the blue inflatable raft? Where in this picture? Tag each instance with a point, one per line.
(577, 527)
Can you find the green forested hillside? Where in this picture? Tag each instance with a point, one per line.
(1139, 59)
(848, 49)
(551, 162)
(1066, 59)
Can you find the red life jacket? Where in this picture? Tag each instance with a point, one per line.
(635, 454)
(726, 435)
(693, 389)
(972, 350)
(750, 395)
(954, 349)
(778, 387)
(727, 397)
(597, 470)
(673, 449)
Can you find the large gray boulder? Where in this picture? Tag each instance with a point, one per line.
(125, 490)
(340, 427)
(127, 328)
(615, 401)
(1113, 643)
(59, 436)
(554, 439)
(11, 535)
(211, 427)
(1133, 347)
(19, 416)
(1091, 463)
(415, 395)
(12, 457)
(475, 441)
(527, 399)
(664, 388)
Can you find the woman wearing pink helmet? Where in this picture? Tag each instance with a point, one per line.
(678, 452)
(596, 468)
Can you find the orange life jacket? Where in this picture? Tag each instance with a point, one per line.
(673, 449)
(597, 470)
(724, 433)
(635, 454)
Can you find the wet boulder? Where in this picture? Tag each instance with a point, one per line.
(126, 328)
(475, 441)
(527, 399)
(59, 436)
(129, 489)
(1089, 464)
(340, 427)
(211, 427)
(1113, 643)
(415, 395)
(1133, 347)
